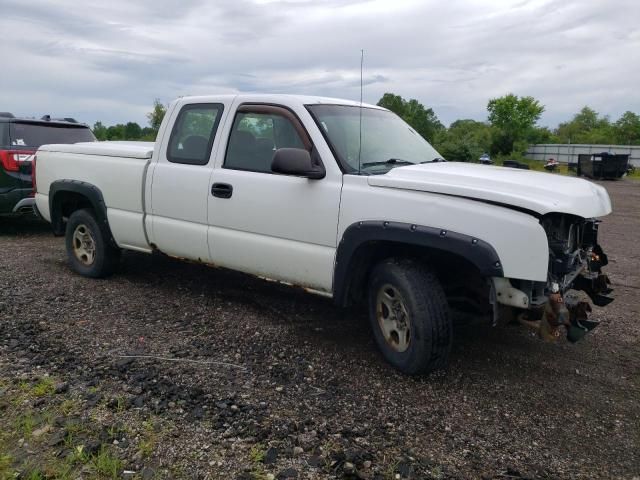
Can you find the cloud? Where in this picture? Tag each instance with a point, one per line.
(108, 60)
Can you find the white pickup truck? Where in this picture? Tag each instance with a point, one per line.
(336, 197)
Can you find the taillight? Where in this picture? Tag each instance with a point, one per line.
(11, 160)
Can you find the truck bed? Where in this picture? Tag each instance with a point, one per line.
(142, 150)
(117, 169)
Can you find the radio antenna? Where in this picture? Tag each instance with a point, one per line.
(361, 88)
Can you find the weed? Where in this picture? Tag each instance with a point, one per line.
(44, 387)
(6, 472)
(148, 443)
(25, 424)
(106, 464)
(34, 475)
(257, 453)
(67, 407)
(436, 473)
(121, 404)
(78, 455)
(390, 471)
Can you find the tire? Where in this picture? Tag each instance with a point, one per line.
(88, 249)
(423, 342)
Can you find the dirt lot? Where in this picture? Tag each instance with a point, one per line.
(256, 380)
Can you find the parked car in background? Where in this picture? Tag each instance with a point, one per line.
(485, 159)
(515, 164)
(19, 140)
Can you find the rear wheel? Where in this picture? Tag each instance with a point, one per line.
(88, 248)
(409, 316)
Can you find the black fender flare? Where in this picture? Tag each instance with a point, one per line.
(478, 252)
(87, 190)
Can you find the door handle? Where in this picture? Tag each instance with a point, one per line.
(221, 190)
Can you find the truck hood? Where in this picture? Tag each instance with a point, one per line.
(534, 191)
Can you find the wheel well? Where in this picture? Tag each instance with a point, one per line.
(64, 203)
(466, 288)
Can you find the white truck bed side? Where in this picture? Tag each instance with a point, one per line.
(95, 163)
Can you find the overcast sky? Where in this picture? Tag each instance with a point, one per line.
(108, 60)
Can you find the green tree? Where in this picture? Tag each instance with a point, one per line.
(393, 102)
(423, 120)
(587, 126)
(514, 119)
(116, 132)
(464, 140)
(100, 131)
(132, 131)
(156, 115)
(627, 129)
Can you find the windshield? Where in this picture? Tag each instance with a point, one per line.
(387, 141)
(37, 134)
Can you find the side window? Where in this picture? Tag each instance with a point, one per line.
(255, 137)
(193, 133)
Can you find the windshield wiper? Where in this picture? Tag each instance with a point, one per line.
(391, 161)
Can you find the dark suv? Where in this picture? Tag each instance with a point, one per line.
(19, 140)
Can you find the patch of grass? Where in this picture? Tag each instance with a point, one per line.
(390, 471)
(106, 464)
(436, 473)
(57, 469)
(78, 455)
(44, 387)
(68, 406)
(35, 474)
(257, 453)
(25, 424)
(635, 174)
(121, 404)
(148, 443)
(6, 472)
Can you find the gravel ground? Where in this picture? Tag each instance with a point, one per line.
(178, 370)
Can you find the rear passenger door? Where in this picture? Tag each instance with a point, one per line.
(180, 180)
(277, 226)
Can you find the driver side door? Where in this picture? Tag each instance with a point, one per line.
(277, 226)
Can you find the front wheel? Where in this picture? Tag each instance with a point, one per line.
(409, 316)
(88, 248)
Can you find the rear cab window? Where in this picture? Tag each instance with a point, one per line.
(193, 133)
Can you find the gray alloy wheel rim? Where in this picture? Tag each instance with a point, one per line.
(393, 319)
(84, 245)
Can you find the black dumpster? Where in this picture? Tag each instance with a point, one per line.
(603, 165)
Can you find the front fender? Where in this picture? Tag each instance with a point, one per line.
(475, 250)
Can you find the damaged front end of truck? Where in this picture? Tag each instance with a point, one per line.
(554, 307)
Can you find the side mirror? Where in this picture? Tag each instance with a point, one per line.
(298, 162)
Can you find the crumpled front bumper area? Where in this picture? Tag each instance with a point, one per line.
(594, 282)
(566, 310)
